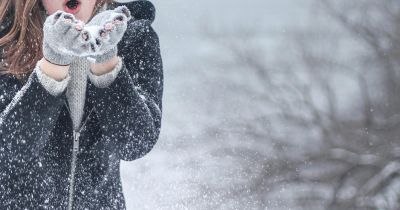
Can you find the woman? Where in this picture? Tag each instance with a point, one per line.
(81, 89)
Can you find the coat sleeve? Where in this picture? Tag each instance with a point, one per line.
(28, 115)
(130, 108)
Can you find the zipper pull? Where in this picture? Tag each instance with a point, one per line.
(76, 135)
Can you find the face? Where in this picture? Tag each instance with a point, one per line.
(81, 9)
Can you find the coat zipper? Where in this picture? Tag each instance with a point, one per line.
(75, 149)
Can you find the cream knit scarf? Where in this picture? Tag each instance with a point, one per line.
(76, 89)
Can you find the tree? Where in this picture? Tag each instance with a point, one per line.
(331, 103)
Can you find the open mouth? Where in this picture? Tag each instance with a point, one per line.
(72, 6)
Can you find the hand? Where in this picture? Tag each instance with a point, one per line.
(63, 38)
(105, 31)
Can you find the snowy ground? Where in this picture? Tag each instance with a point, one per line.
(185, 169)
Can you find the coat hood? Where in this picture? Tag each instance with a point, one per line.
(140, 9)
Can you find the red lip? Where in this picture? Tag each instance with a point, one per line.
(72, 10)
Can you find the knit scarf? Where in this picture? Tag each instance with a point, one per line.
(76, 89)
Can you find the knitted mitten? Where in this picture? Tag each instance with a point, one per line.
(105, 30)
(63, 38)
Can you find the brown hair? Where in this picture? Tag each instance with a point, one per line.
(21, 45)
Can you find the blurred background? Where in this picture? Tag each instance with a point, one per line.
(275, 104)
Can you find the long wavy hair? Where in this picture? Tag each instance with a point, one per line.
(21, 44)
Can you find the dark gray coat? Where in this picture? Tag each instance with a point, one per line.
(122, 122)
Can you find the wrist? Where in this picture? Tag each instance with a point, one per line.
(103, 68)
(54, 71)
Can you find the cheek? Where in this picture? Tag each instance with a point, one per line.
(52, 5)
(86, 10)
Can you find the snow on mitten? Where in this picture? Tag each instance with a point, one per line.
(105, 30)
(63, 38)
